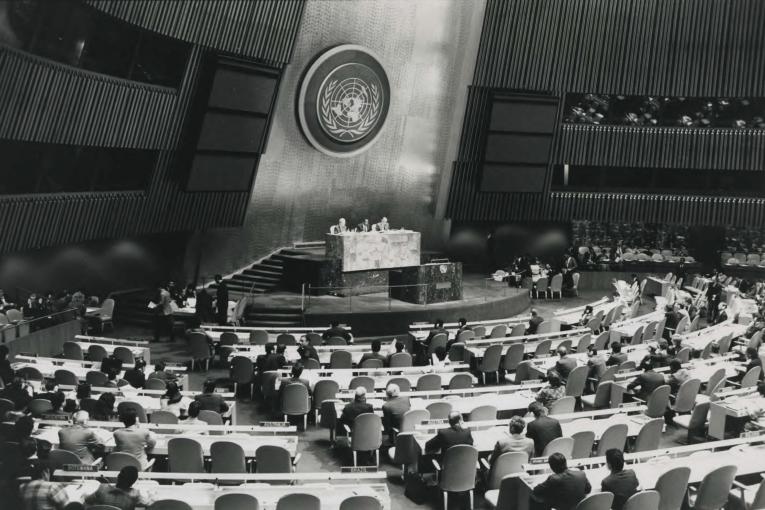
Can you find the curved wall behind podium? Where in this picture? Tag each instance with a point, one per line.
(428, 48)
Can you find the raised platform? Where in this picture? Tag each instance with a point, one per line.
(376, 314)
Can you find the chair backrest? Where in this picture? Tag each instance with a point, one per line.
(513, 356)
(583, 441)
(716, 378)
(459, 466)
(556, 284)
(336, 341)
(650, 331)
(439, 410)
(518, 330)
(198, 346)
(566, 344)
(163, 417)
(298, 501)
(542, 284)
(498, 331)
(324, 389)
(759, 497)
(715, 488)
(242, 370)
(596, 501)
(456, 352)
(707, 352)
(684, 355)
(723, 346)
(364, 381)
(295, 399)
(547, 326)
(429, 382)
(169, 504)
(584, 343)
(563, 405)
(543, 348)
(403, 383)
(602, 340)
(671, 487)
(643, 500)
(694, 324)
(686, 396)
(125, 354)
(576, 277)
(657, 401)
(650, 435)
(228, 338)
(563, 445)
(602, 394)
(505, 464)
(461, 381)
(462, 336)
(340, 359)
(127, 404)
(210, 417)
(576, 381)
(235, 501)
(372, 363)
(285, 339)
(637, 337)
(185, 455)
(483, 413)
(751, 377)
(479, 332)
(614, 436)
(272, 459)
(361, 503)
(115, 461)
(260, 337)
(96, 352)
(367, 432)
(311, 364)
(39, 406)
(153, 383)
(401, 359)
(413, 417)
(523, 371)
(491, 359)
(72, 350)
(58, 458)
(63, 376)
(594, 324)
(682, 325)
(228, 457)
(698, 416)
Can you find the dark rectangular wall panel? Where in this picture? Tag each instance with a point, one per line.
(517, 148)
(221, 172)
(237, 90)
(517, 178)
(232, 132)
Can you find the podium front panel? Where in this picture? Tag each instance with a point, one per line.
(362, 251)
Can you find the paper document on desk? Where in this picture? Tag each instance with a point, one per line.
(152, 305)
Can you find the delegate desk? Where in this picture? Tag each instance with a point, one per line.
(477, 348)
(139, 348)
(243, 332)
(291, 353)
(202, 495)
(629, 327)
(741, 404)
(382, 376)
(698, 340)
(364, 251)
(574, 315)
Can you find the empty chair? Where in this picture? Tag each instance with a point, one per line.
(336, 341)
(751, 377)
(458, 471)
(522, 372)
(153, 383)
(298, 501)
(596, 501)
(199, 349)
(627, 366)
(340, 359)
(584, 343)
(594, 324)
(658, 401)
(461, 382)
(576, 381)
(311, 364)
(366, 435)
(59, 458)
(498, 331)
(490, 362)
(372, 363)
(429, 382)
(169, 504)
(210, 417)
(601, 399)
(285, 339)
(716, 378)
(583, 442)
(185, 455)
(124, 354)
(556, 285)
(163, 418)
(39, 406)
(483, 413)
(479, 332)
(563, 405)
(643, 500)
(242, 372)
(364, 381)
(401, 359)
(234, 501)
(695, 422)
(686, 396)
(684, 355)
(649, 436)
(227, 457)
(714, 489)
(543, 348)
(115, 461)
(513, 357)
(62, 376)
(602, 340)
(96, 352)
(295, 402)
(413, 417)
(562, 445)
(465, 335)
(314, 338)
(406, 451)
(671, 487)
(272, 459)
(724, 345)
(29, 373)
(439, 410)
(260, 337)
(518, 330)
(439, 340)
(505, 464)
(540, 287)
(637, 337)
(324, 389)
(72, 350)
(614, 436)
(402, 382)
(361, 503)
(456, 352)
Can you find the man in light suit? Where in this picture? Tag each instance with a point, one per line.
(339, 228)
(383, 225)
(78, 438)
(163, 315)
(394, 408)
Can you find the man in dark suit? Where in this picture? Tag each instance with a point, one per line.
(456, 434)
(111, 365)
(617, 357)
(438, 328)
(543, 429)
(336, 330)
(564, 365)
(209, 400)
(353, 409)
(714, 291)
(563, 489)
(221, 301)
(621, 482)
(270, 360)
(399, 348)
(297, 371)
(364, 226)
(534, 323)
(647, 381)
(204, 306)
(136, 376)
(394, 408)
(306, 350)
(375, 354)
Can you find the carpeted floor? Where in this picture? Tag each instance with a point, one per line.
(317, 454)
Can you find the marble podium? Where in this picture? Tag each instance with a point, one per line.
(427, 283)
(365, 251)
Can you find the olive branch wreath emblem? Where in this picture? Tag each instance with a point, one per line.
(329, 122)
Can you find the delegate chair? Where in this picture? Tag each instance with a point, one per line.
(58, 458)
(260, 337)
(576, 381)
(311, 364)
(672, 486)
(563, 445)
(541, 287)
(29, 373)
(153, 383)
(456, 353)
(498, 331)
(314, 338)
(372, 363)
(298, 501)
(601, 399)
(483, 413)
(439, 340)
(169, 504)
(340, 359)
(583, 442)
(556, 285)
(518, 330)
(324, 389)
(643, 500)
(227, 457)
(696, 422)
(543, 348)
(596, 501)
(336, 341)
(658, 401)
(287, 339)
(614, 436)
(458, 471)
(406, 451)
(413, 417)
(751, 377)
(563, 405)
(439, 410)
(139, 410)
(234, 501)
(584, 343)
(364, 381)
(39, 406)
(490, 362)
(479, 332)
(115, 461)
(274, 459)
(199, 350)
(361, 503)
(714, 490)
(429, 382)
(96, 352)
(461, 382)
(366, 435)
(686, 396)
(649, 436)
(401, 359)
(185, 455)
(513, 357)
(105, 315)
(507, 463)
(72, 350)
(296, 402)
(210, 417)
(242, 372)
(404, 384)
(62, 376)
(125, 355)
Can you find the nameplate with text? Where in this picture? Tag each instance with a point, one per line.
(274, 424)
(530, 382)
(538, 460)
(56, 417)
(439, 421)
(358, 469)
(443, 285)
(90, 468)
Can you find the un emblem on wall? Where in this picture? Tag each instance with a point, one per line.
(343, 101)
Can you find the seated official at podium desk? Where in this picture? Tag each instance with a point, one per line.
(341, 227)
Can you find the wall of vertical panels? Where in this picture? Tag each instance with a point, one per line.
(262, 29)
(44, 101)
(707, 48)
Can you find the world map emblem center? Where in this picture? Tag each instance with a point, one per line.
(343, 100)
